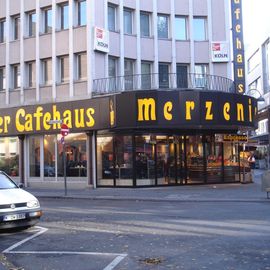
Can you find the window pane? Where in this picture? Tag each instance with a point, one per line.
(31, 74)
(111, 18)
(145, 28)
(2, 31)
(128, 74)
(199, 29)
(16, 28)
(48, 21)
(201, 76)
(16, 76)
(64, 17)
(47, 71)
(182, 79)
(105, 163)
(49, 155)
(82, 13)
(82, 66)
(32, 24)
(123, 161)
(162, 26)
(146, 75)
(64, 69)
(34, 156)
(2, 79)
(9, 156)
(163, 70)
(127, 22)
(145, 161)
(180, 28)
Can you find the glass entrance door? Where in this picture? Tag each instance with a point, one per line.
(166, 167)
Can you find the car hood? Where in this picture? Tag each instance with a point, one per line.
(15, 195)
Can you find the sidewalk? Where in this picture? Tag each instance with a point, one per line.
(212, 192)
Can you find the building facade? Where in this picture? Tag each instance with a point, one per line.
(144, 86)
(258, 78)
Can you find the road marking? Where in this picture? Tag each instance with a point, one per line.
(116, 261)
(111, 266)
(42, 230)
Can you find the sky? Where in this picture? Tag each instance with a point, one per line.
(256, 21)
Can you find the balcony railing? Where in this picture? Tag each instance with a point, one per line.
(162, 81)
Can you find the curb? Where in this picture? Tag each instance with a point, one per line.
(149, 199)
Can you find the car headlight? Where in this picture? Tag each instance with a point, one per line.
(33, 204)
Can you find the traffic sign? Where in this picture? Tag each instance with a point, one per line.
(64, 130)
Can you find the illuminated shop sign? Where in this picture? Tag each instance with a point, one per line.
(220, 51)
(77, 115)
(101, 39)
(238, 46)
(186, 110)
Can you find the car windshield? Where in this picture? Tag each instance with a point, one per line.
(5, 182)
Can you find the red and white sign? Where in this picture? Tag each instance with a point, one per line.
(64, 130)
(101, 39)
(220, 51)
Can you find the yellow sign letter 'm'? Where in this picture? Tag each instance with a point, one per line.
(146, 109)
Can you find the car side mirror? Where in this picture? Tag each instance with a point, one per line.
(20, 185)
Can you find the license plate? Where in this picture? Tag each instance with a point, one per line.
(14, 217)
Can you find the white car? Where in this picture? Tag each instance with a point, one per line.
(18, 208)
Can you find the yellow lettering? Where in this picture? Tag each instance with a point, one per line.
(67, 118)
(239, 58)
(46, 119)
(237, 13)
(146, 109)
(38, 115)
(79, 118)
(167, 110)
(240, 112)
(28, 122)
(240, 73)
(209, 114)
(226, 110)
(190, 105)
(237, 1)
(6, 123)
(1, 123)
(20, 113)
(240, 88)
(56, 116)
(250, 110)
(238, 44)
(238, 28)
(89, 114)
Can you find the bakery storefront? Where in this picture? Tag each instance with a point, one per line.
(130, 139)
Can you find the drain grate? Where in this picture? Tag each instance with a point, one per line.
(152, 261)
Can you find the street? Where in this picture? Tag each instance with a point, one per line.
(104, 234)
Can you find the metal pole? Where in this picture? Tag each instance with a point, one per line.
(65, 168)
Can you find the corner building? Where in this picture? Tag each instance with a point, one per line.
(145, 88)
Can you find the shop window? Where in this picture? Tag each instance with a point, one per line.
(9, 156)
(213, 152)
(34, 156)
(49, 155)
(195, 160)
(105, 161)
(145, 161)
(76, 159)
(231, 162)
(123, 161)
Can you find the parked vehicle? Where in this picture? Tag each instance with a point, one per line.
(18, 208)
